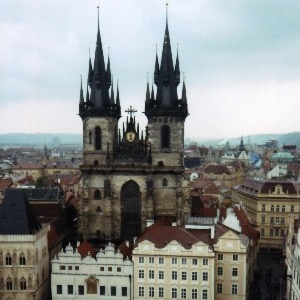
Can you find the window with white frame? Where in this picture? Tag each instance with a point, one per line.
(174, 293)
(234, 271)
(174, 275)
(205, 276)
(151, 292)
(194, 294)
(141, 259)
(183, 275)
(161, 274)
(234, 289)
(194, 276)
(141, 273)
(141, 291)
(151, 274)
(161, 292)
(205, 262)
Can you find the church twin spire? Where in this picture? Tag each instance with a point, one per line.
(166, 78)
(99, 102)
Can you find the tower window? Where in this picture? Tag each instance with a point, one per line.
(22, 259)
(98, 138)
(164, 182)
(9, 284)
(165, 136)
(97, 195)
(90, 137)
(8, 259)
(23, 285)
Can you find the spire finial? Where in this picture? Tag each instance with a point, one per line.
(98, 14)
(167, 12)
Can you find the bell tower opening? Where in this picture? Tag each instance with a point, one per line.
(130, 210)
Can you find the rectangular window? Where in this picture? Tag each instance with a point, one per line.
(194, 294)
(76, 268)
(281, 232)
(81, 290)
(234, 271)
(160, 274)
(262, 232)
(174, 293)
(113, 291)
(141, 273)
(141, 259)
(62, 267)
(109, 269)
(205, 276)
(141, 291)
(151, 260)
(235, 257)
(124, 291)
(183, 275)
(151, 292)
(220, 256)
(220, 271)
(70, 289)
(234, 289)
(102, 290)
(70, 268)
(194, 276)
(118, 269)
(263, 207)
(219, 288)
(204, 294)
(174, 275)
(292, 208)
(271, 220)
(271, 232)
(276, 231)
(205, 262)
(282, 221)
(161, 260)
(161, 292)
(263, 220)
(183, 293)
(151, 274)
(101, 269)
(174, 260)
(194, 261)
(59, 289)
(183, 261)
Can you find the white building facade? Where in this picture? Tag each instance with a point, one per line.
(105, 276)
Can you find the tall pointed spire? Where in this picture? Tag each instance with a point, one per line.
(81, 99)
(183, 98)
(112, 94)
(166, 78)
(87, 98)
(101, 100)
(147, 92)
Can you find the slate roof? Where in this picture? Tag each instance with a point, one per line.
(16, 214)
(46, 194)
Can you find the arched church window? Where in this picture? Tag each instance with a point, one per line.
(8, 259)
(98, 138)
(98, 209)
(97, 195)
(165, 136)
(161, 164)
(164, 182)
(23, 284)
(96, 163)
(9, 284)
(90, 137)
(22, 259)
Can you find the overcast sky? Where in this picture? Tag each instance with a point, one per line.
(241, 59)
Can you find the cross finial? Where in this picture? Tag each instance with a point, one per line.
(131, 111)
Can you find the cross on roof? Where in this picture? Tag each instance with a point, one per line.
(131, 111)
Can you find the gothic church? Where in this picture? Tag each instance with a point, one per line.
(128, 176)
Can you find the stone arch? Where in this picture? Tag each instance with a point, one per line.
(130, 210)
(91, 285)
(165, 136)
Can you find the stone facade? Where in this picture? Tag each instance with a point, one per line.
(130, 176)
(24, 266)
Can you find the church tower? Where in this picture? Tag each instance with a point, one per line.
(166, 113)
(129, 175)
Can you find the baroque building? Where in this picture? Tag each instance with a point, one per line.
(128, 175)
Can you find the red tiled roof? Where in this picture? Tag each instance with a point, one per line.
(217, 169)
(161, 233)
(84, 248)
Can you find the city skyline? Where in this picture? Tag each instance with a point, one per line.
(239, 59)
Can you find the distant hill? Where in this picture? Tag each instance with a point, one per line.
(39, 139)
(292, 138)
(57, 139)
